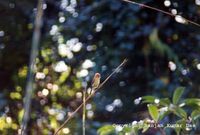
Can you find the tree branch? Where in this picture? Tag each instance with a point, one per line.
(30, 79)
(90, 96)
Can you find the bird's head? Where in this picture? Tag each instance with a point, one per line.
(97, 75)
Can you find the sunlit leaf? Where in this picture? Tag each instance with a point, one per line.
(192, 101)
(106, 130)
(20, 115)
(180, 112)
(2, 123)
(23, 71)
(127, 129)
(145, 128)
(177, 95)
(63, 76)
(195, 114)
(135, 130)
(153, 110)
(148, 99)
(181, 125)
(165, 101)
(15, 95)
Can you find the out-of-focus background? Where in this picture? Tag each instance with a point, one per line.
(81, 37)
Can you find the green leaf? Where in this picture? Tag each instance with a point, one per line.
(135, 130)
(145, 128)
(162, 48)
(195, 114)
(64, 76)
(180, 112)
(148, 99)
(153, 110)
(192, 101)
(106, 130)
(127, 129)
(182, 126)
(164, 115)
(165, 101)
(177, 95)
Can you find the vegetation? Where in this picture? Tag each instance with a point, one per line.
(165, 115)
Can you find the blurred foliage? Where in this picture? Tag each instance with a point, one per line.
(82, 37)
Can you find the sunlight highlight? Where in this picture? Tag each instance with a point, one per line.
(109, 108)
(197, 2)
(40, 75)
(88, 64)
(90, 114)
(54, 30)
(172, 66)
(156, 101)
(99, 27)
(61, 67)
(77, 47)
(62, 19)
(117, 103)
(137, 100)
(167, 3)
(45, 92)
(198, 66)
(1, 33)
(64, 51)
(66, 131)
(174, 11)
(82, 73)
(180, 19)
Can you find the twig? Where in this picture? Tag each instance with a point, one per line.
(84, 112)
(159, 10)
(32, 62)
(90, 96)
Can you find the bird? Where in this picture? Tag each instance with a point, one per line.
(95, 82)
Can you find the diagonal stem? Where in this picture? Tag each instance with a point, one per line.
(159, 10)
(84, 113)
(90, 96)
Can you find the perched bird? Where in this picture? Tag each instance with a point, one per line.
(95, 82)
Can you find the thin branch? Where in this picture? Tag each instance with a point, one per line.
(159, 10)
(90, 96)
(84, 112)
(30, 79)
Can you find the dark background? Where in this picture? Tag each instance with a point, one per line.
(148, 39)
